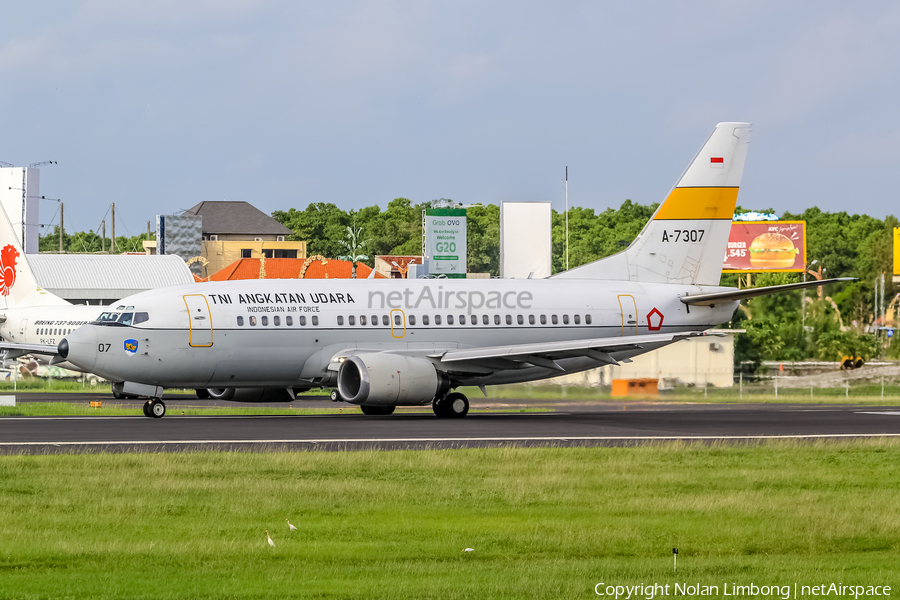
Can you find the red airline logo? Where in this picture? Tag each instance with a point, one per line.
(8, 258)
(653, 315)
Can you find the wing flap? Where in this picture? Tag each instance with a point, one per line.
(544, 353)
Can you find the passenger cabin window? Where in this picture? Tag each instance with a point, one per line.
(543, 319)
(385, 320)
(315, 320)
(496, 319)
(397, 320)
(449, 319)
(577, 319)
(362, 320)
(473, 320)
(462, 319)
(340, 320)
(587, 319)
(531, 319)
(424, 319)
(264, 320)
(252, 321)
(520, 320)
(351, 320)
(374, 320)
(289, 321)
(565, 319)
(554, 319)
(276, 321)
(509, 319)
(485, 320)
(240, 321)
(302, 320)
(437, 319)
(412, 319)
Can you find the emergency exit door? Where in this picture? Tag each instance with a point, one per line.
(628, 307)
(199, 322)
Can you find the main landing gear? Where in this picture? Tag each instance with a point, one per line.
(154, 408)
(453, 405)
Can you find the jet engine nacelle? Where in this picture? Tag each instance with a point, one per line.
(251, 394)
(380, 379)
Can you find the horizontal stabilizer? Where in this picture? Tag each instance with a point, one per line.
(715, 297)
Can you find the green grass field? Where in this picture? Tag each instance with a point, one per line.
(544, 523)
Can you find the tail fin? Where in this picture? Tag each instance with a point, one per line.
(686, 239)
(18, 286)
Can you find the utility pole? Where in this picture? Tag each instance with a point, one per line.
(61, 223)
(103, 235)
(567, 218)
(112, 239)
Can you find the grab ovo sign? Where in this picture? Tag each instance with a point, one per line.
(445, 241)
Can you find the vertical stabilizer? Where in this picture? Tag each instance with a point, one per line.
(685, 240)
(18, 287)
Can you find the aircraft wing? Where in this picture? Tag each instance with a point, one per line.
(714, 297)
(544, 354)
(13, 350)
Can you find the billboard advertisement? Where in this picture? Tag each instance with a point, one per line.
(896, 250)
(766, 247)
(445, 241)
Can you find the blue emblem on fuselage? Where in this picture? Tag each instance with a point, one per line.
(131, 347)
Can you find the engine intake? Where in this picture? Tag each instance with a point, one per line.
(380, 379)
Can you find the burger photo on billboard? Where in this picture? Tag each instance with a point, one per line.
(772, 251)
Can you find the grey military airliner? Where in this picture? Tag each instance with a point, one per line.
(385, 343)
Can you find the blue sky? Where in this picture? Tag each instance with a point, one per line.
(159, 105)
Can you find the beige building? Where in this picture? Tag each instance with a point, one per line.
(699, 361)
(236, 230)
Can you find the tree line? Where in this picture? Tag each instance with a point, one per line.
(844, 245)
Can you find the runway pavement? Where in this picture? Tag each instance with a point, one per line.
(569, 424)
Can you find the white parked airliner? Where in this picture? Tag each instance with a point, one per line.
(388, 343)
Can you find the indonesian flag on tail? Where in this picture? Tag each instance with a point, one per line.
(717, 162)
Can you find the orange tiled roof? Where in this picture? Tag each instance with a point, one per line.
(289, 268)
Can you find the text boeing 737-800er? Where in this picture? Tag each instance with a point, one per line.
(384, 344)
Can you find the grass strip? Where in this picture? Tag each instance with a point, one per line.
(544, 523)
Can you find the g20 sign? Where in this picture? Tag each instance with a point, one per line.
(445, 241)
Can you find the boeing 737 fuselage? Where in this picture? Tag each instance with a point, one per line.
(388, 343)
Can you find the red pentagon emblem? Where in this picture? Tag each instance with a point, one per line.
(652, 324)
(8, 258)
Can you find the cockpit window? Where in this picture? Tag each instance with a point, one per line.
(140, 317)
(108, 317)
(126, 318)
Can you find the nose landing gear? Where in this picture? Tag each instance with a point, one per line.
(154, 408)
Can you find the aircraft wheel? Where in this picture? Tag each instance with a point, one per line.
(118, 396)
(377, 410)
(456, 405)
(335, 396)
(203, 394)
(147, 409)
(157, 409)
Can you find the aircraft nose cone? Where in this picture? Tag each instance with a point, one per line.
(80, 347)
